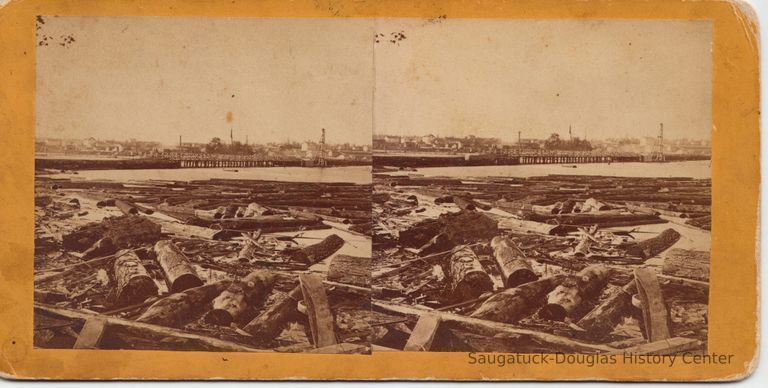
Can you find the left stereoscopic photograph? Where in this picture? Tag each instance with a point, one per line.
(203, 184)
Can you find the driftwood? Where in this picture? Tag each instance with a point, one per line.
(133, 281)
(268, 325)
(655, 245)
(687, 264)
(513, 304)
(180, 275)
(350, 270)
(525, 226)
(314, 253)
(467, 278)
(241, 295)
(181, 308)
(515, 268)
(321, 320)
(573, 291)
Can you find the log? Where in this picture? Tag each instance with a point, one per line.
(254, 209)
(103, 247)
(268, 325)
(247, 251)
(601, 321)
(126, 231)
(498, 330)
(241, 295)
(462, 228)
(134, 284)
(569, 295)
(467, 278)
(126, 207)
(655, 314)
(352, 270)
(181, 308)
(156, 337)
(464, 203)
(513, 304)
(655, 245)
(581, 250)
(687, 264)
(321, 322)
(592, 205)
(514, 267)
(423, 334)
(314, 253)
(180, 275)
(525, 226)
(105, 202)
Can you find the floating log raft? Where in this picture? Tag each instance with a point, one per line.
(655, 245)
(512, 304)
(241, 295)
(687, 264)
(515, 268)
(133, 282)
(573, 291)
(314, 253)
(467, 278)
(180, 275)
(181, 308)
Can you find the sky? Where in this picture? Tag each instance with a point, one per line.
(274, 80)
(493, 78)
(152, 78)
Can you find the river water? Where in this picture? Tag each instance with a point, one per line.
(351, 174)
(699, 169)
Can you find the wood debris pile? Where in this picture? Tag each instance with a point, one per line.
(220, 264)
(558, 263)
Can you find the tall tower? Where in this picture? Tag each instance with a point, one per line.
(320, 161)
(658, 154)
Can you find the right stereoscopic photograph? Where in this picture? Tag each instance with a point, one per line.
(541, 186)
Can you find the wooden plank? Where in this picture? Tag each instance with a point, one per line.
(166, 338)
(90, 335)
(675, 345)
(342, 348)
(423, 334)
(655, 315)
(687, 264)
(318, 310)
(492, 328)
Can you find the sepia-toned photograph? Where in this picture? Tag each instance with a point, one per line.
(542, 186)
(203, 184)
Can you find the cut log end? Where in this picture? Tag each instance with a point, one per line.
(521, 276)
(219, 317)
(185, 282)
(553, 312)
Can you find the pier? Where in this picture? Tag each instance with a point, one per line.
(402, 159)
